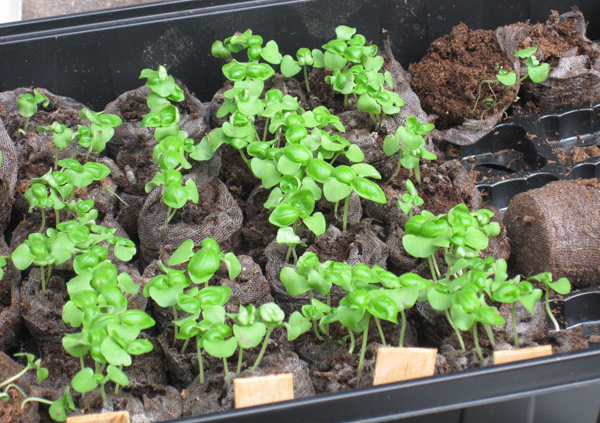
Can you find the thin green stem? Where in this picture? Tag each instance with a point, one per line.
(485, 81)
(239, 364)
(43, 225)
(226, 370)
(81, 362)
(352, 341)
(185, 344)
(103, 392)
(380, 330)
(15, 377)
(476, 341)
(435, 266)
(460, 340)
(266, 130)
(397, 171)
(490, 334)
(26, 124)
(402, 328)
(35, 399)
(363, 348)
(176, 331)
(417, 170)
(288, 254)
(345, 101)
(314, 322)
(55, 158)
(335, 209)
(17, 387)
(547, 301)
(432, 266)
(170, 213)
(87, 153)
(262, 350)
(513, 316)
(244, 158)
(43, 277)
(306, 81)
(345, 221)
(200, 364)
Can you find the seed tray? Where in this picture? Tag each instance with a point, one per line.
(521, 153)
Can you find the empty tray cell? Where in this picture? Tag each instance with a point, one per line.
(504, 151)
(500, 193)
(585, 171)
(574, 128)
(582, 308)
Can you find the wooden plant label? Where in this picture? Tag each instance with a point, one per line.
(509, 356)
(114, 417)
(251, 391)
(395, 364)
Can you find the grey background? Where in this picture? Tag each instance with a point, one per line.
(33, 9)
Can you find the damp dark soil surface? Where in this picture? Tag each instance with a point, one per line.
(447, 80)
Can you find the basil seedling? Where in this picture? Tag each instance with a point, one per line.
(561, 286)
(28, 105)
(409, 141)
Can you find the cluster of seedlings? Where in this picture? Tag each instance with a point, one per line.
(295, 156)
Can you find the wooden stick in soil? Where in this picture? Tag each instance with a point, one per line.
(395, 364)
(509, 356)
(257, 390)
(114, 417)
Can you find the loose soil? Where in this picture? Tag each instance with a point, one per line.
(447, 78)
(554, 40)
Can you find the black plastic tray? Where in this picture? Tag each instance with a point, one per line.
(521, 153)
(94, 57)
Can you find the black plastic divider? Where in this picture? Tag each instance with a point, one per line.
(94, 58)
(519, 392)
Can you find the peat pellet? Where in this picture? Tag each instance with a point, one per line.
(556, 229)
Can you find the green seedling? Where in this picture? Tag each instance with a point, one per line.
(410, 199)
(247, 330)
(210, 331)
(309, 275)
(343, 180)
(169, 289)
(304, 58)
(355, 69)
(409, 143)
(561, 286)
(163, 88)
(462, 234)
(58, 408)
(62, 137)
(513, 291)
(462, 301)
(355, 311)
(32, 364)
(175, 193)
(28, 106)
(536, 71)
(94, 137)
(253, 43)
(43, 251)
(109, 331)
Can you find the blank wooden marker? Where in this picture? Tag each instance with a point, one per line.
(509, 356)
(115, 417)
(395, 364)
(251, 391)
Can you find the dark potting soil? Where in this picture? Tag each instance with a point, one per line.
(578, 154)
(447, 78)
(554, 39)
